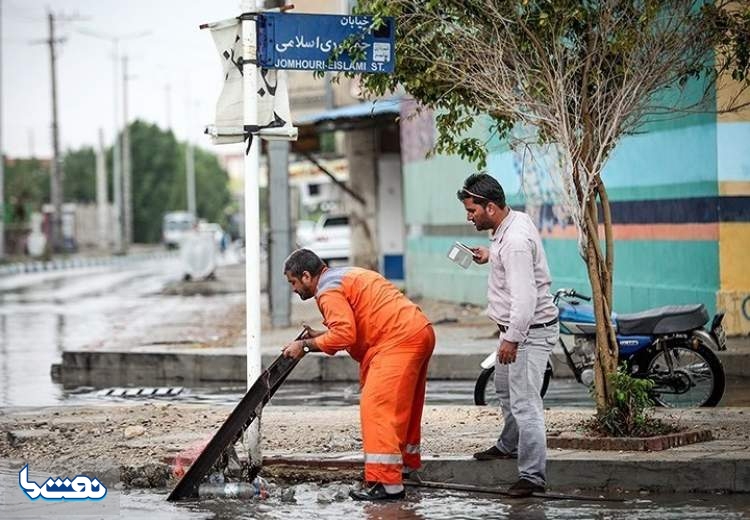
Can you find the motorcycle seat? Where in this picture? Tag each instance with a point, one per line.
(663, 320)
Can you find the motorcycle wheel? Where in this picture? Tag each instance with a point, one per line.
(698, 378)
(488, 374)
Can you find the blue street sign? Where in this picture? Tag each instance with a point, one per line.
(306, 42)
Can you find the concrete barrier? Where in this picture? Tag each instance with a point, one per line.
(102, 368)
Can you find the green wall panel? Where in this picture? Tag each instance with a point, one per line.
(647, 273)
(430, 190)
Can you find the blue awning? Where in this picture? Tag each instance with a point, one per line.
(352, 113)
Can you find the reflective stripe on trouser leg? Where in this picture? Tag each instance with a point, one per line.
(383, 458)
(387, 407)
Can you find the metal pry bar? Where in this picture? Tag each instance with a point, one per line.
(230, 431)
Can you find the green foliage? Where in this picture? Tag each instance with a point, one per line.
(27, 186)
(159, 183)
(156, 172)
(79, 182)
(212, 188)
(630, 413)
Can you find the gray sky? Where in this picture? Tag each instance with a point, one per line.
(176, 53)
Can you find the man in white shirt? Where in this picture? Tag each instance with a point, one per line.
(519, 301)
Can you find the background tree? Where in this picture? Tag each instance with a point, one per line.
(155, 176)
(79, 184)
(581, 73)
(158, 179)
(26, 186)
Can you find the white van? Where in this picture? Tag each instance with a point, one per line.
(176, 225)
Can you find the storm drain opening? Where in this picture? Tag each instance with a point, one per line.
(167, 391)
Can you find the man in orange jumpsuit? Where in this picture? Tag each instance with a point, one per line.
(392, 341)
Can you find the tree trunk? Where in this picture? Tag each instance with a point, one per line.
(600, 276)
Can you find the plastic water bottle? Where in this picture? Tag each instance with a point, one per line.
(258, 488)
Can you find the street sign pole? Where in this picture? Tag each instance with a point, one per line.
(252, 220)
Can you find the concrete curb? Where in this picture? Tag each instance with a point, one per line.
(96, 368)
(678, 470)
(106, 368)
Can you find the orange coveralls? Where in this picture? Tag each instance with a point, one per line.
(392, 340)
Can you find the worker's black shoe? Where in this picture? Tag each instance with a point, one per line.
(524, 488)
(376, 492)
(493, 453)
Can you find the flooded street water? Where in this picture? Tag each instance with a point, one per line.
(330, 501)
(313, 502)
(41, 314)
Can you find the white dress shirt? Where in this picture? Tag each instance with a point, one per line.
(518, 292)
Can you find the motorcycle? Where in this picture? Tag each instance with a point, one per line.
(668, 345)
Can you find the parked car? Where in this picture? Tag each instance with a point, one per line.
(332, 238)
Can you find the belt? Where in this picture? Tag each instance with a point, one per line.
(504, 328)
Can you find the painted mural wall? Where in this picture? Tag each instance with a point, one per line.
(680, 194)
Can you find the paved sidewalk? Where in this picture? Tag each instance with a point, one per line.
(141, 445)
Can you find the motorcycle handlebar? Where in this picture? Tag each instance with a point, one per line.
(571, 293)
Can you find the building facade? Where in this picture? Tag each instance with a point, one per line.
(680, 193)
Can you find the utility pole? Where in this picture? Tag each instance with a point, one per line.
(117, 159)
(190, 177)
(2, 154)
(190, 160)
(30, 138)
(102, 207)
(127, 190)
(56, 171)
(168, 105)
(117, 154)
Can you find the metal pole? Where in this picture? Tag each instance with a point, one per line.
(127, 190)
(252, 221)
(280, 244)
(116, 155)
(101, 195)
(190, 163)
(56, 170)
(190, 178)
(168, 105)
(120, 236)
(2, 154)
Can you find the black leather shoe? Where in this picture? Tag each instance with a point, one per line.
(524, 488)
(376, 492)
(493, 453)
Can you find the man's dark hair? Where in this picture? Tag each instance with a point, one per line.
(303, 260)
(482, 188)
